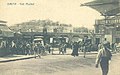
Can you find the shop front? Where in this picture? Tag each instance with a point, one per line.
(6, 39)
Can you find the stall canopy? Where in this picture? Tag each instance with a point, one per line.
(105, 7)
(5, 31)
(3, 21)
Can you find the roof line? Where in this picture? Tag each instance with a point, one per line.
(3, 21)
(96, 4)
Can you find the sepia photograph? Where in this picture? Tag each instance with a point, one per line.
(59, 37)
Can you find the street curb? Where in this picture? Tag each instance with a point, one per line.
(9, 60)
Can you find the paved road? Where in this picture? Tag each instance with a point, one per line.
(57, 65)
(115, 65)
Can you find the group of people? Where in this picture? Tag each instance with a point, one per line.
(84, 46)
(103, 57)
(62, 48)
(28, 48)
(39, 49)
(115, 47)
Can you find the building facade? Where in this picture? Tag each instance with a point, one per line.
(110, 27)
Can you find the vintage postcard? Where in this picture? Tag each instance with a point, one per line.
(59, 37)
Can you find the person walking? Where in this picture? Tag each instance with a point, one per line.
(47, 48)
(103, 57)
(28, 49)
(38, 50)
(114, 48)
(86, 44)
(61, 49)
(99, 46)
(65, 46)
(75, 49)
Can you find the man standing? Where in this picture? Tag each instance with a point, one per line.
(103, 57)
(47, 48)
(61, 48)
(86, 43)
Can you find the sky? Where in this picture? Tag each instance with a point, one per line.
(64, 11)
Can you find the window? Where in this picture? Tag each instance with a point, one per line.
(117, 40)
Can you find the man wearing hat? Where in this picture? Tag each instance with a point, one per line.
(103, 57)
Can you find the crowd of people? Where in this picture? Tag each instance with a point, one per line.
(103, 57)
(84, 46)
(28, 48)
(115, 47)
(25, 48)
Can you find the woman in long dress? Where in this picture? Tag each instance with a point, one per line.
(75, 49)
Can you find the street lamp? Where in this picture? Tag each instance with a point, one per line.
(45, 34)
(32, 35)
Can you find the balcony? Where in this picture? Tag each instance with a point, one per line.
(107, 21)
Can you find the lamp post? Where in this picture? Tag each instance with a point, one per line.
(32, 35)
(44, 34)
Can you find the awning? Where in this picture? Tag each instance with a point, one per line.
(5, 31)
(113, 12)
(2, 24)
(3, 21)
(105, 7)
(7, 34)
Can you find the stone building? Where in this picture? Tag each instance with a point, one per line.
(111, 30)
(109, 26)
